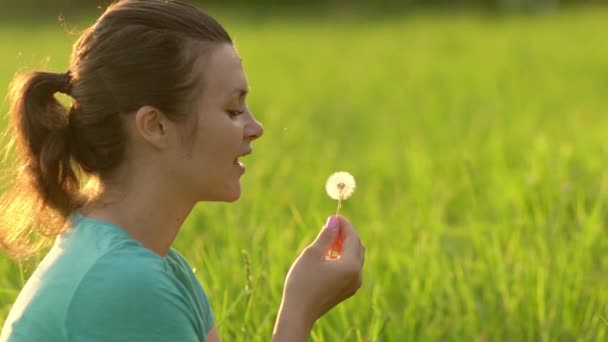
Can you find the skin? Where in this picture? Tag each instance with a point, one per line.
(204, 168)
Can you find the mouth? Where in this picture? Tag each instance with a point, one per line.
(239, 163)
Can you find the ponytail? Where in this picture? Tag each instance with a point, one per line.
(139, 52)
(46, 184)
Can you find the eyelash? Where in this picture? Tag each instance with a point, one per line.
(235, 113)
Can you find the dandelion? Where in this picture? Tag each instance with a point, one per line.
(340, 186)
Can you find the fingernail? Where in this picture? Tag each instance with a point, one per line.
(332, 222)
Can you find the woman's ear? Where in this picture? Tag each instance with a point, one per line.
(151, 125)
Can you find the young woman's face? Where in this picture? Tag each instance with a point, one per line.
(207, 165)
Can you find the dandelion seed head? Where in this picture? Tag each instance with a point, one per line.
(340, 185)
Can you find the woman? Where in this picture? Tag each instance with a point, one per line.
(159, 120)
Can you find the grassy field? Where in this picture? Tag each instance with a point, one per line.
(480, 148)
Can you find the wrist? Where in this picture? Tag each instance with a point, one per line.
(291, 325)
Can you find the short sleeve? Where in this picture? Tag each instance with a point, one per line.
(129, 302)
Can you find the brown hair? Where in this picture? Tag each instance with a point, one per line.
(139, 52)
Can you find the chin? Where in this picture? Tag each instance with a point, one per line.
(233, 198)
(231, 195)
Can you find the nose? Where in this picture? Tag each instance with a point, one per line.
(254, 129)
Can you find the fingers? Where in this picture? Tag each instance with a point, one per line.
(351, 244)
(353, 247)
(362, 254)
(362, 259)
(327, 235)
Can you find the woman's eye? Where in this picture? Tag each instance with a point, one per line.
(234, 113)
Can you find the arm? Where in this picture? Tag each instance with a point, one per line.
(315, 285)
(290, 327)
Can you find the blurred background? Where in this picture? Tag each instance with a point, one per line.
(476, 131)
(45, 7)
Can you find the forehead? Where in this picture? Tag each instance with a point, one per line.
(222, 73)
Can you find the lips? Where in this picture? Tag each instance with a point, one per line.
(236, 160)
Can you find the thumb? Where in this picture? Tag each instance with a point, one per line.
(328, 234)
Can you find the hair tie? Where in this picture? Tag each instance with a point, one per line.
(66, 83)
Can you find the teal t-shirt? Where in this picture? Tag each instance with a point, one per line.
(98, 284)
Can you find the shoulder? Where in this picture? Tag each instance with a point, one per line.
(128, 292)
(183, 271)
(176, 258)
(193, 288)
(127, 274)
(174, 254)
(122, 268)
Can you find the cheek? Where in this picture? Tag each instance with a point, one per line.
(227, 142)
(213, 156)
(215, 146)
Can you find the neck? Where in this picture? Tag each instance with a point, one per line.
(149, 214)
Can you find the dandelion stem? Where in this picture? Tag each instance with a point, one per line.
(339, 206)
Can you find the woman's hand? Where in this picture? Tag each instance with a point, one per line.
(314, 284)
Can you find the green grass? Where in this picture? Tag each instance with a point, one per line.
(480, 150)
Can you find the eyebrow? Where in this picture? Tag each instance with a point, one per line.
(241, 91)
